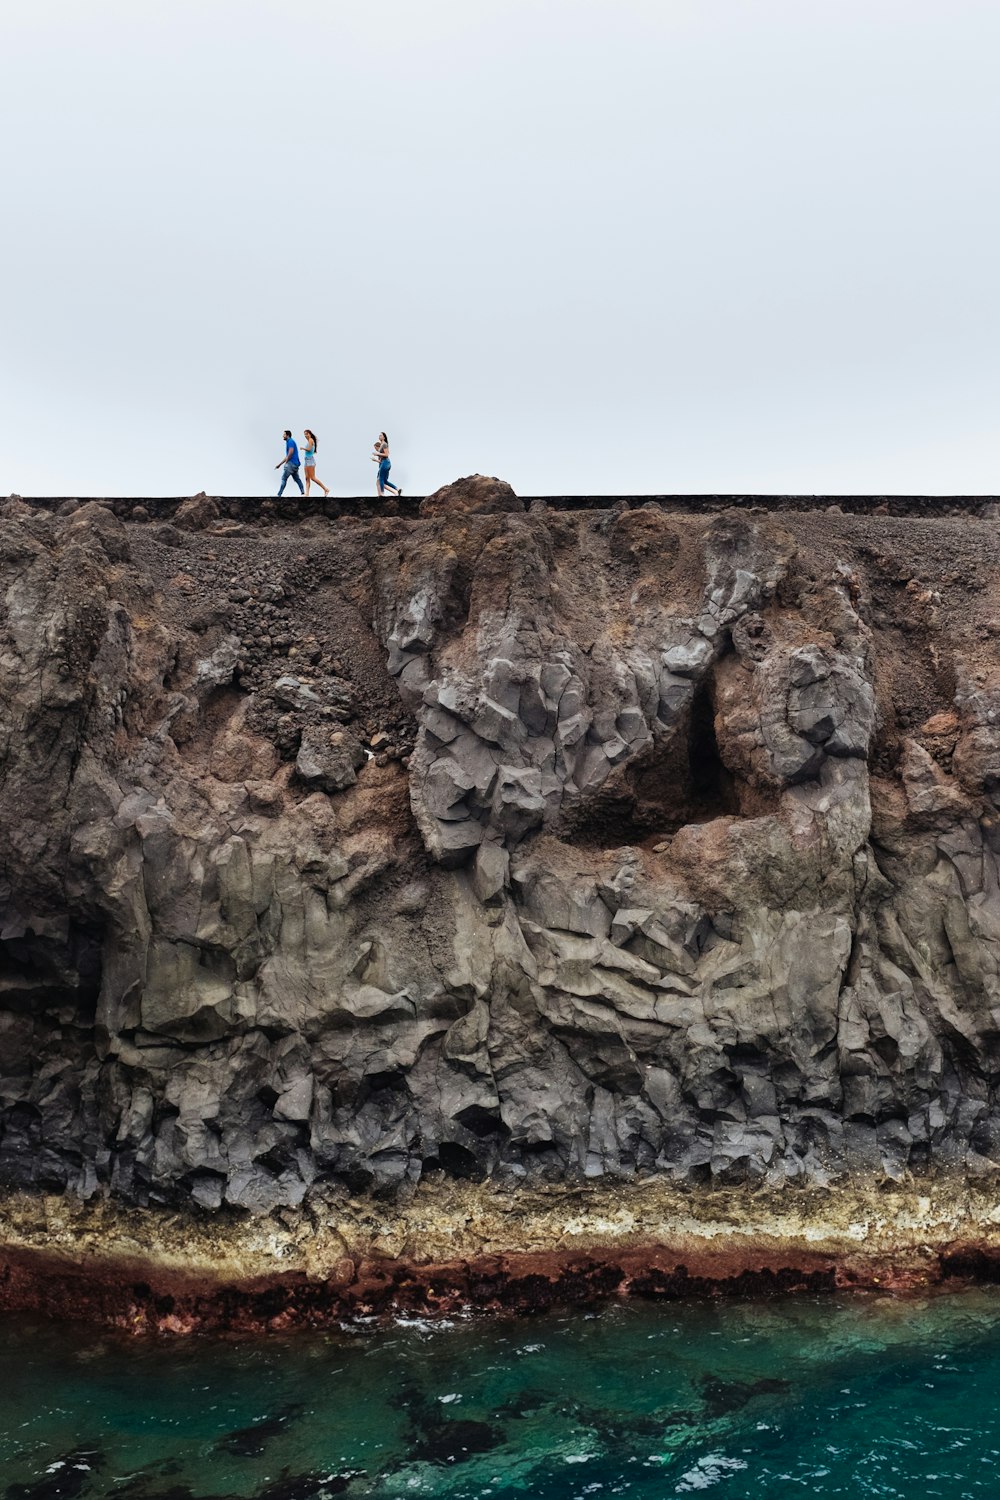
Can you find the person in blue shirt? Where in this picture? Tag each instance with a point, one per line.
(291, 464)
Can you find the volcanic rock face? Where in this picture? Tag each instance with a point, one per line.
(525, 845)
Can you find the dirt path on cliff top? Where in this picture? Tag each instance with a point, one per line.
(369, 507)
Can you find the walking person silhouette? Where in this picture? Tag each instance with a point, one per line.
(290, 462)
(309, 454)
(380, 455)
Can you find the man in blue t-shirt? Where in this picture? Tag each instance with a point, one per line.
(291, 464)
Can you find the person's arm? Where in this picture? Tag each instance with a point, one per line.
(282, 461)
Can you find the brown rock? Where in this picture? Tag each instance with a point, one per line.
(932, 797)
(940, 732)
(98, 522)
(197, 513)
(238, 755)
(265, 797)
(476, 495)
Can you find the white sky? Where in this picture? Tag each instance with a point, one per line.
(604, 246)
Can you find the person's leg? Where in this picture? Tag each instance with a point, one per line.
(298, 481)
(284, 480)
(323, 487)
(310, 473)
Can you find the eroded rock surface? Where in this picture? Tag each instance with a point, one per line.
(525, 845)
(476, 495)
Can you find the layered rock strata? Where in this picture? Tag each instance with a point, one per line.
(539, 848)
(458, 1245)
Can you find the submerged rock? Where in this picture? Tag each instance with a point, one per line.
(723, 1396)
(250, 1442)
(304, 1487)
(456, 1442)
(63, 1479)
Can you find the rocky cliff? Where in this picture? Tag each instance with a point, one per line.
(495, 844)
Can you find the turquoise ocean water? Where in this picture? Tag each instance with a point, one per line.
(860, 1396)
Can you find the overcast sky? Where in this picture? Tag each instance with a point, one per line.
(604, 246)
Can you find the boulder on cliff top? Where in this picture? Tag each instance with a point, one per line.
(15, 509)
(100, 522)
(475, 495)
(197, 513)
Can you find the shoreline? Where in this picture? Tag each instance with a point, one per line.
(457, 1247)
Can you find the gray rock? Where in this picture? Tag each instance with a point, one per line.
(491, 872)
(289, 692)
(328, 759)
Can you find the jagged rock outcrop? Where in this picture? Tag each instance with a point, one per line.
(197, 513)
(546, 846)
(475, 495)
